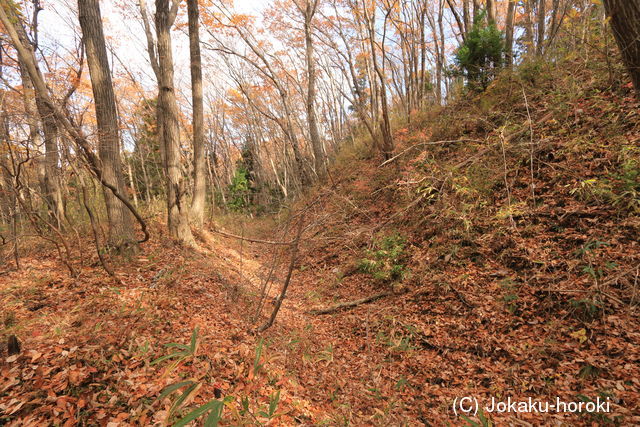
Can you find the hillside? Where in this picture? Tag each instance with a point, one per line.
(498, 249)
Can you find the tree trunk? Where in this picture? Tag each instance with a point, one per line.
(27, 58)
(528, 27)
(491, 11)
(625, 23)
(120, 221)
(466, 16)
(541, 27)
(314, 135)
(35, 137)
(511, 9)
(385, 126)
(199, 165)
(178, 211)
(442, 51)
(53, 193)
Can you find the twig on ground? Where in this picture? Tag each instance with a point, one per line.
(405, 151)
(349, 304)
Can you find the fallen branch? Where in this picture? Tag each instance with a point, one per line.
(287, 281)
(425, 143)
(247, 239)
(461, 297)
(584, 291)
(349, 304)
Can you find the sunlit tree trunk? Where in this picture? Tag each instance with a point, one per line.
(120, 221)
(177, 206)
(511, 9)
(199, 161)
(491, 11)
(308, 10)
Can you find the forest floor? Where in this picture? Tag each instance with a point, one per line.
(506, 260)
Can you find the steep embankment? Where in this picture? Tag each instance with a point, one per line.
(507, 230)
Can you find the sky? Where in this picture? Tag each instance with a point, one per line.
(58, 32)
(58, 28)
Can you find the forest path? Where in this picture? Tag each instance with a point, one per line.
(253, 263)
(329, 367)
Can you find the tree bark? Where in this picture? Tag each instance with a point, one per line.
(119, 217)
(491, 11)
(528, 27)
(466, 17)
(511, 10)
(316, 144)
(199, 162)
(51, 179)
(625, 23)
(178, 212)
(385, 125)
(541, 27)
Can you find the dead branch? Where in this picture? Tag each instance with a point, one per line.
(247, 239)
(283, 293)
(403, 152)
(96, 235)
(349, 304)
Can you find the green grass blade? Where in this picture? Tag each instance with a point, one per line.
(194, 339)
(214, 416)
(197, 413)
(173, 387)
(169, 356)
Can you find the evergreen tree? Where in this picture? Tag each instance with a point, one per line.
(481, 54)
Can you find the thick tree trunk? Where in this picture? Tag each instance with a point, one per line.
(199, 162)
(314, 135)
(120, 221)
(625, 23)
(35, 137)
(178, 210)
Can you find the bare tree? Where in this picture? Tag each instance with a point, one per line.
(177, 207)
(51, 178)
(120, 221)
(308, 9)
(199, 162)
(378, 66)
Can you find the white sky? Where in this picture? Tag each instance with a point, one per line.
(58, 25)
